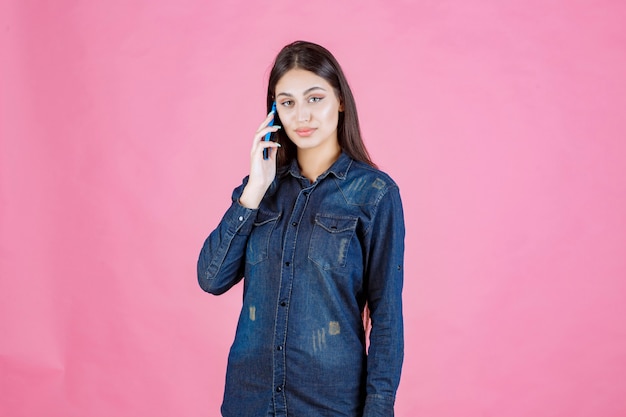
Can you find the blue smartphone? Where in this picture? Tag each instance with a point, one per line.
(269, 135)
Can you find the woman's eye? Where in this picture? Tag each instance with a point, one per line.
(315, 99)
(286, 103)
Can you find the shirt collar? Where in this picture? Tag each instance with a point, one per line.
(339, 168)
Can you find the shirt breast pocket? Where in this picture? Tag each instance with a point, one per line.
(330, 240)
(257, 249)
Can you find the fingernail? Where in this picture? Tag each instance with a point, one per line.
(279, 145)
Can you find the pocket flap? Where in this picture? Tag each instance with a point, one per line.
(335, 224)
(263, 217)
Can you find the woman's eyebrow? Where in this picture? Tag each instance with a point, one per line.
(307, 91)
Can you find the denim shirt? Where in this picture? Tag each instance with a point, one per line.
(312, 255)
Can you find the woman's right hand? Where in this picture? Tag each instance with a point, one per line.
(262, 171)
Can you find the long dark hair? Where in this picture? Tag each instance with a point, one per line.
(317, 59)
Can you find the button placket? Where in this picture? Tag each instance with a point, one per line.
(286, 281)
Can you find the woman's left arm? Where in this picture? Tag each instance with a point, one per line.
(384, 279)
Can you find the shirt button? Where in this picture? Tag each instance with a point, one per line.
(279, 388)
(286, 263)
(282, 303)
(294, 224)
(240, 218)
(279, 348)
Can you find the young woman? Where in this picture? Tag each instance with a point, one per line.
(318, 233)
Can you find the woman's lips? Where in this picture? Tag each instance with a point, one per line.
(305, 132)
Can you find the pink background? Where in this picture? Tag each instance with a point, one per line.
(124, 126)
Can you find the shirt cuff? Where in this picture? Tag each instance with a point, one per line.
(240, 218)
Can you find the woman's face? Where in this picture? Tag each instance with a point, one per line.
(309, 110)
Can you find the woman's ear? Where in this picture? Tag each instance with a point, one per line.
(340, 105)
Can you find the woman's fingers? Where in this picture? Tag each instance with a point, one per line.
(266, 122)
(259, 138)
(268, 145)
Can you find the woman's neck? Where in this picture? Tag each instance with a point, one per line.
(314, 162)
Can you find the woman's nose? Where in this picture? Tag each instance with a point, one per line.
(303, 114)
